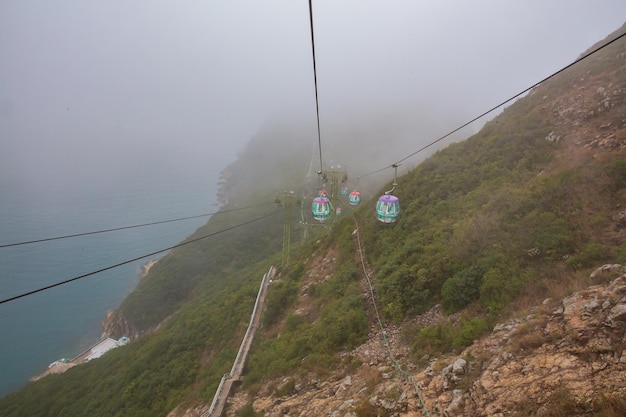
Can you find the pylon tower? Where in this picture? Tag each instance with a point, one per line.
(287, 227)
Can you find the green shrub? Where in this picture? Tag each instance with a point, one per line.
(247, 411)
(617, 171)
(281, 296)
(462, 288)
(435, 339)
(342, 323)
(293, 321)
(621, 255)
(498, 288)
(592, 254)
(573, 262)
(408, 291)
(471, 329)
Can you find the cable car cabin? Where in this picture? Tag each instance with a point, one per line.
(321, 208)
(388, 208)
(354, 198)
(345, 191)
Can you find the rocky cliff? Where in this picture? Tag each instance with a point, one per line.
(563, 357)
(115, 325)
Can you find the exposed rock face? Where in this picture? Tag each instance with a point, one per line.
(575, 347)
(570, 353)
(115, 325)
(591, 111)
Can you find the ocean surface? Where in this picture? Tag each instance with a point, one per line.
(63, 321)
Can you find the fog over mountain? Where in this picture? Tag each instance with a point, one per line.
(95, 93)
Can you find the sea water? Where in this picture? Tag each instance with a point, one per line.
(63, 321)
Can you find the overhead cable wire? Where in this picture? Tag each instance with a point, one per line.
(383, 333)
(497, 106)
(317, 106)
(7, 245)
(6, 300)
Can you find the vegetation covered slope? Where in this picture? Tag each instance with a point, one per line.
(538, 194)
(539, 189)
(517, 213)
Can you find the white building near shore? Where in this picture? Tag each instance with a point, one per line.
(104, 346)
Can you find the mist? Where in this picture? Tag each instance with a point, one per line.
(93, 94)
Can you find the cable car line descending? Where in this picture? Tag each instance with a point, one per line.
(383, 333)
(317, 107)
(7, 245)
(497, 106)
(321, 206)
(6, 300)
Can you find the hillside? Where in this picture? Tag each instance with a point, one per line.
(505, 224)
(562, 358)
(480, 287)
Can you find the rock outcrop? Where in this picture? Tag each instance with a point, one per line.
(115, 325)
(563, 355)
(567, 352)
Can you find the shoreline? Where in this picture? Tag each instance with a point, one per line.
(146, 268)
(61, 365)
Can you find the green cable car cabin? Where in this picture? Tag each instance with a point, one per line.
(321, 208)
(388, 208)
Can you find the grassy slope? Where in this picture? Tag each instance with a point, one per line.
(479, 228)
(488, 226)
(506, 210)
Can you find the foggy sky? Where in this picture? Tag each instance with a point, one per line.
(93, 91)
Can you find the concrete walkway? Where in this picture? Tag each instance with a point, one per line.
(226, 384)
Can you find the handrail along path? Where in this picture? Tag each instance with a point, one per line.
(226, 384)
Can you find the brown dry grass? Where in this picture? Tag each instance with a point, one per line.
(528, 336)
(563, 283)
(371, 376)
(319, 267)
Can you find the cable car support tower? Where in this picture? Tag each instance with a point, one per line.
(287, 208)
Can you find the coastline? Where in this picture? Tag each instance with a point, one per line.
(114, 323)
(146, 268)
(61, 365)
